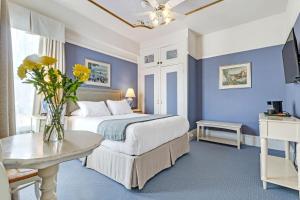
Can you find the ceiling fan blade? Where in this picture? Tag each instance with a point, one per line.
(153, 3)
(173, 3)
(143, 13)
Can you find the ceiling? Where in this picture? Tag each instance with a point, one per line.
(131, 12)
(226, 14)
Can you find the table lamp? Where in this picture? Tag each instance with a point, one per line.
(130, 95)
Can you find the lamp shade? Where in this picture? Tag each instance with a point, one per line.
(130, 93)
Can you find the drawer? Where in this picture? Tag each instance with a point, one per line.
(283, 131)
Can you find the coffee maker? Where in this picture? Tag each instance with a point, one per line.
(274, 107)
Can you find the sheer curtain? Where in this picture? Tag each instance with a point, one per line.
(23, 44)
(55, 49)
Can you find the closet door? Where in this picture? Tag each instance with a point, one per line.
(151, 91)
(150, 57)
(170, 55)
(172, 90)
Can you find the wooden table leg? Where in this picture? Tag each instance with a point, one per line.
(263, 157)
(48, 186)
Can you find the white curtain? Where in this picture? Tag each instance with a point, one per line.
(55, 49)
(7, 106)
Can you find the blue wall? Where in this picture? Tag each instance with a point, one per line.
(293, 90)
(149, 94)
(172, 93)
(123, 73)
(242, 105)
(194, 91)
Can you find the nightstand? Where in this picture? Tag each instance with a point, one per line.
(137, 111)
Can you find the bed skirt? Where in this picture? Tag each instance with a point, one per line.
(135, 171)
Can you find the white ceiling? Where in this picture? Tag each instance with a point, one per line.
(223, 15)
(132, 11)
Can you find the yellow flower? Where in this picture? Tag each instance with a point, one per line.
(46, 60)
(82, 73)
(47, 79)
(22, 72)
(57, 73)
(32, 62)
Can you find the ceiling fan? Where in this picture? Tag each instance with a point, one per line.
(161, 12)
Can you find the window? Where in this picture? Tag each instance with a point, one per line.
(23, 44)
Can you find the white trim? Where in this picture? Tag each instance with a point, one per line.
(101, 51)
(250, 140)
(105, 48)
(241, 38)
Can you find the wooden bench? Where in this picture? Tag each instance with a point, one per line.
(201, 135)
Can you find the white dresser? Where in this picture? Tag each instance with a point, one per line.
(276, 170)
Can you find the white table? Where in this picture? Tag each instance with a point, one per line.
(201, 135)
(277, 170)
(29, 151)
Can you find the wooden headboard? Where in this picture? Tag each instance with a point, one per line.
(93, 94)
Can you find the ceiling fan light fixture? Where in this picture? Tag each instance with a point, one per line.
(165, 12)
(155, 22)
(152, 15)
(168, 20)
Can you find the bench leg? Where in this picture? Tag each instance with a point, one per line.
(238, 133)
(198, 132)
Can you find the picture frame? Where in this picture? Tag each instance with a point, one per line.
(100, 73)
(235, 76)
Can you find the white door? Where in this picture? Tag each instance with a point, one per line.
(172, 90)
(151, 89)
(169, 55)
(150, 57)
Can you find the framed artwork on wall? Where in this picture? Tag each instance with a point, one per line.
(100, 73)
(235, 76)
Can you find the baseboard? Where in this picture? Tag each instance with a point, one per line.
(250, 140)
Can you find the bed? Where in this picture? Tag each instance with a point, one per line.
(149, 147)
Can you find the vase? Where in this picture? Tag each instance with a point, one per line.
(54, 126)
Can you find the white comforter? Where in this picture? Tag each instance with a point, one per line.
(140, 137)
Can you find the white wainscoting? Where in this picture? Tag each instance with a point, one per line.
(250, 140)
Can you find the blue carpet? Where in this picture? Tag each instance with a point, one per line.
(209, 171)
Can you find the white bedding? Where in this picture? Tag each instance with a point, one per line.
(140, 137)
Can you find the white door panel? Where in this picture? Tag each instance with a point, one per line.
(177, 70)
(155, 72)
(170, 55)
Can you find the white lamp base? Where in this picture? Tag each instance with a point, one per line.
(130, 102)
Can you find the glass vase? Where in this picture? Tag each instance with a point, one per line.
(54, 126)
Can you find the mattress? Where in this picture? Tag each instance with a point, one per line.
(140, 137)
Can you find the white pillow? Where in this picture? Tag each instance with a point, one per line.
(93, 109)
(119, 107)
(77, 112)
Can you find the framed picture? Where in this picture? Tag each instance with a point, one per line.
(235, 76)
(100, 73)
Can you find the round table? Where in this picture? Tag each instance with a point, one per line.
(30, 151)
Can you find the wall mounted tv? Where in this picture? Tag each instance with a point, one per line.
(291, 59)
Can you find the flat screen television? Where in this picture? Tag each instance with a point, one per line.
(290, 55)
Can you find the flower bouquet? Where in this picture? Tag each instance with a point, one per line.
(56, 88)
